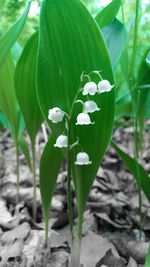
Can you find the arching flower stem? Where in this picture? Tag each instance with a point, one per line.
(97, 72)
(83, 75)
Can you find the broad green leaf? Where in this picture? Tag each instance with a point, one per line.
(25, 82)
(131, 165)
(8, 101)
(147, 261)
(25, 149)
(116, 37)
(12, 116)
(49, 168)
(9, 39)
(124, 63)
(70, 43)
(148, 106)
(4, 121)
(123, 106)
(141, 93)
(107, 15)
(148, 59)
(16, 51)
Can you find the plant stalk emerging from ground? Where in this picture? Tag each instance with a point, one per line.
(34, 182)
(56, 115)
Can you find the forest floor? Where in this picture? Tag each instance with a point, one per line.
(111, 229)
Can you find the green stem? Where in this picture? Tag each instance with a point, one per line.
(46, 231)
(34, 181)
(135, 39)
(134, 107)
(122, 12)
(136, 155)
(17, 172)
(69, 195)
(75, 253)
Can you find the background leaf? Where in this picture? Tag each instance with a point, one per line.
(123, 106)
(148, 59)
(8, 101)
(25, 81)
(25, 149)
(147, 261)
(4, 121)
(116, 37)
(9, 39)
(131, 165)
(107, 15)
(141, 93)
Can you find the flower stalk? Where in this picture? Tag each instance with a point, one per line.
(34, 181)
(69, 194)
(17, 172)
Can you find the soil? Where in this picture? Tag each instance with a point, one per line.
(111, 229)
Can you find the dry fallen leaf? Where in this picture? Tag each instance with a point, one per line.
(20, 232)
(4, 211)
(93, 248)
(12, 251)
(110, 260)
(105, 218)
(132, 263)
(137, 250)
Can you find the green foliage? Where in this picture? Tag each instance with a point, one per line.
(25, 149)
(115, 36)
(108, 14)
(147, 261)
(49, 168)
(148, 59)
(8, 101)
(9, 39)
(25, 81)
(132, 166)
(70, 42)
(63, 56)
(4, 121)
(141, 94)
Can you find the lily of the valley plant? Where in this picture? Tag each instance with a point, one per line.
(56, 115)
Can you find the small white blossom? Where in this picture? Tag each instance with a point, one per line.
(90, 106)
(83, 119)
(90, 88)
(104, 86)
(55, 115)
(82, 159)
(62, 141)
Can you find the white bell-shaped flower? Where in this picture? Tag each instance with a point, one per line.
(90, 88)
(62, 141)
(90, 106)
(83, 119)
(104, 86)
(82, 159)
(55, 115)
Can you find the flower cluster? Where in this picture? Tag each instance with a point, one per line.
(92, 88)
(57, 115)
